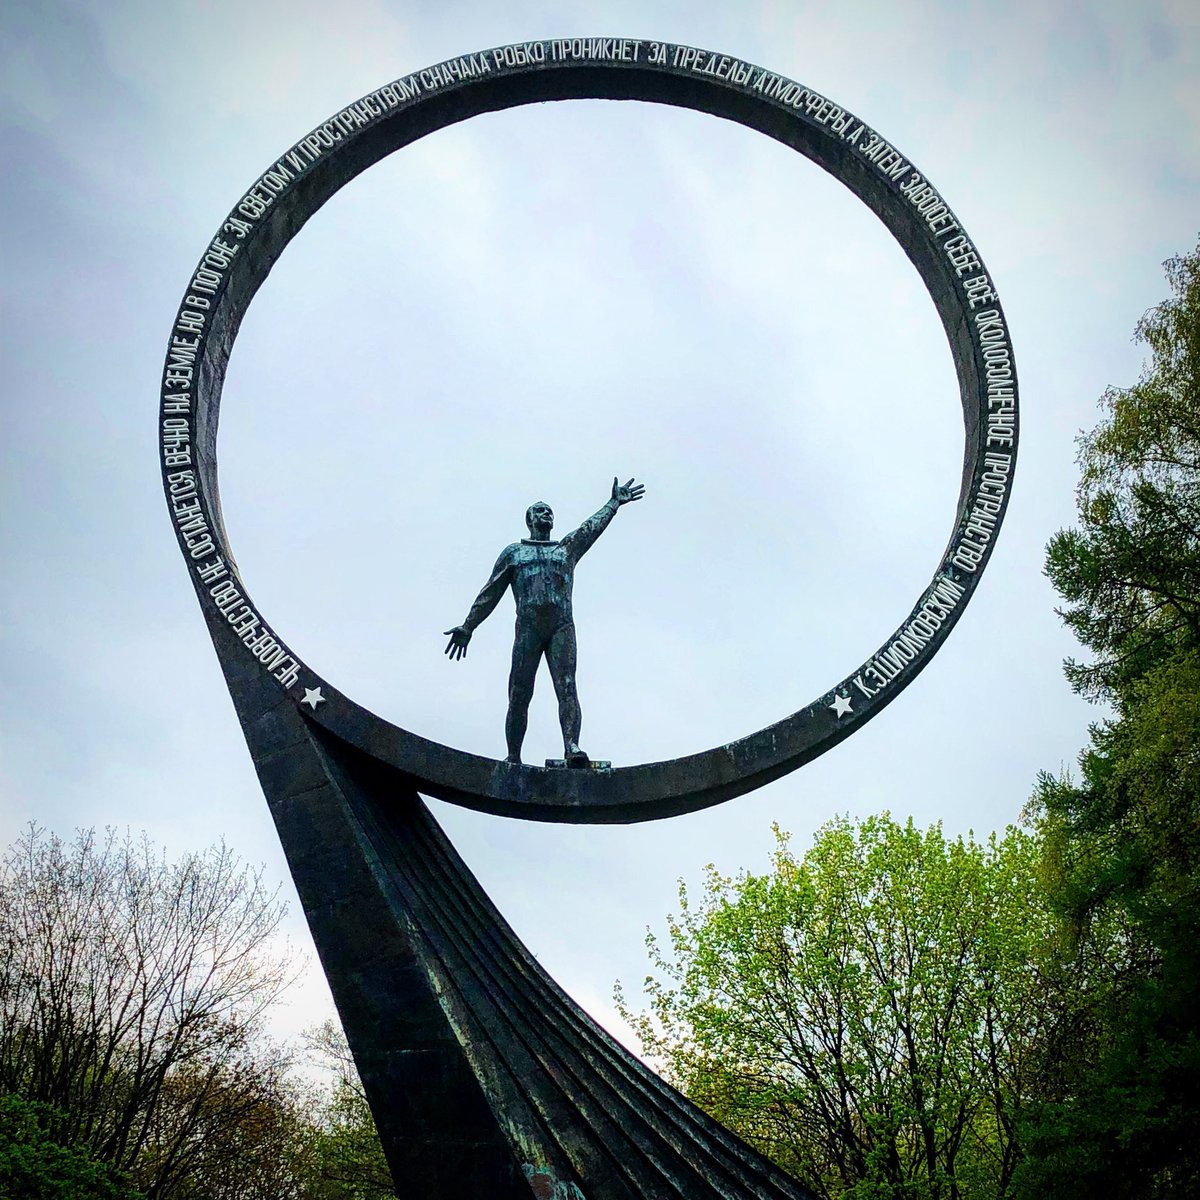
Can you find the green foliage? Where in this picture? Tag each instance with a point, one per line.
(35, 1166)
(1123, 841)
(1130, 574)
(864, 1015)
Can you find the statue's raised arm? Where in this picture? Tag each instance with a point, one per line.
(580, 541)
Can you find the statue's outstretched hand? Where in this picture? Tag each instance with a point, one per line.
(459, 637)
(624, 493)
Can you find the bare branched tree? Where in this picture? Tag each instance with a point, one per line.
(132, 992)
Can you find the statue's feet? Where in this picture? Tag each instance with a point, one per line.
(515, 759)
(576, 757)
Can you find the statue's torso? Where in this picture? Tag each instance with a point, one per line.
(542, 578)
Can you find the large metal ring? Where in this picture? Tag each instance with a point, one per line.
(269, 215)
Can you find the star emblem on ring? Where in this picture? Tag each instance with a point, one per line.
(313, 697)
(841, 705)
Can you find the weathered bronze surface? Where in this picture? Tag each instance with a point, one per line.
(541, 574)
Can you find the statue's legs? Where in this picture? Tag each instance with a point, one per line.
(528, 646)
(560, 654)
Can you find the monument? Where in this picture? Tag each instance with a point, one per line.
(484, 1077)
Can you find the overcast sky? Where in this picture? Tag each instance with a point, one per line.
(519, 308)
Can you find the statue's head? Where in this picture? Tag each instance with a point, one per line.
(539, 517)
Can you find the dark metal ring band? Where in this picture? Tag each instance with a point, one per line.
(285, 196)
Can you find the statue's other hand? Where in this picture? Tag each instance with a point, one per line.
(459, 637)
(627, 492)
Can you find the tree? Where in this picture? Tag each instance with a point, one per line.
(35, 1166)
(238, 1132)
(1130, 574)
(1123, 839)
(344, 1159)
(864, 1015)
(132, 992)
